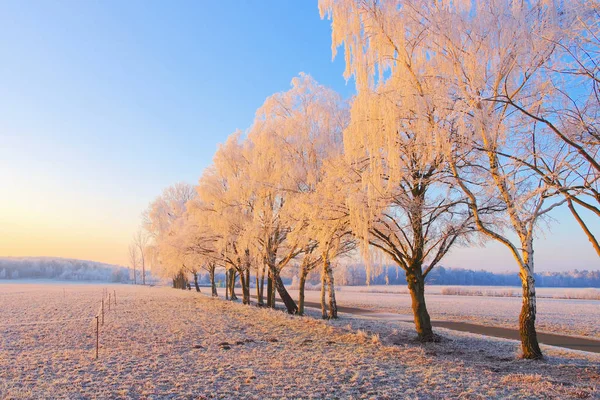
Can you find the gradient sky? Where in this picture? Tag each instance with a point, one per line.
(105, 103)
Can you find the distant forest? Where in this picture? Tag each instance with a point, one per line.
(61, 269)
(352, 275)
(356, 275)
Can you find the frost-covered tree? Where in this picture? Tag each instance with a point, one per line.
(553, 81)
(506, 150)
(401, 123)
(504, 92)
(268, 178)
(228, 201)
(327, 224)
(297, 133)
(140, 241)
(133, 259)
(201, 240)
(162, 221)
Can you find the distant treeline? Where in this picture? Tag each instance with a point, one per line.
(353, 275)
(356, 275)
(61, 269)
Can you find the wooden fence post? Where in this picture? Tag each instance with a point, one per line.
(97, 335)
(102, 312)
(109, 302)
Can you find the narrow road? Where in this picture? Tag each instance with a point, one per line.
(569, 342)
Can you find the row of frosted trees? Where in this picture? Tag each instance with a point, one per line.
(269, 199)
(471, 121)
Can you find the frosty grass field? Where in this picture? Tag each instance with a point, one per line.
(167, 343)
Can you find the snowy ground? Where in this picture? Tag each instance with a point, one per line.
(166, 343)
(490, 291)
(561, 316)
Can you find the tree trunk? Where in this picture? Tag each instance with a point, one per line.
(196, 282)
(248, 284)
(262, 286)
(290, 304)
(233, 279)
(258, 298)
(332, 302)
(529, 343)
(245, 287)
(323, 304)
(416, 286)
(143, 273)
(303, 275)
(232, 295)
(213, 285)
(270, 302)
(272, 294)
(226, 284)
(259, 287)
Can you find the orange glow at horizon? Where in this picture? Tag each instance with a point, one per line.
(99, 249)
(71, 224)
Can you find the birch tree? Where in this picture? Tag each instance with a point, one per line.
(294, 133)
(133, 259)
(269, 225)
(228, 198)
(401, 122)
(141, 240)
(202, 239)
(517, 134)
(161, 221)
(558, 91)
(327, 223)
(298, 132)
(514, 39)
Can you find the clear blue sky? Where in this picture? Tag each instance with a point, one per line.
(105, 103)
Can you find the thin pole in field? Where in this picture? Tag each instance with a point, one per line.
(97, 335)
(109, 302)
(115, 296)
(102, 312)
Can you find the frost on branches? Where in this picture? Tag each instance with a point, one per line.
(476, 92)
(471, 122)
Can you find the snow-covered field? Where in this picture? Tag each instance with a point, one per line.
(489, 291)
(563, 316)
(167, 343)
